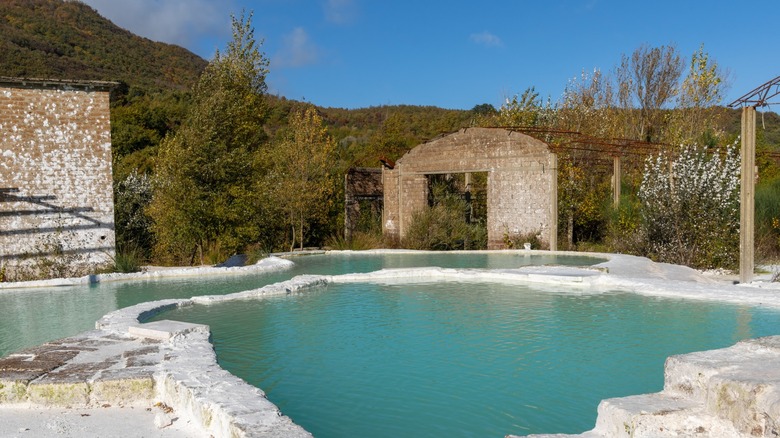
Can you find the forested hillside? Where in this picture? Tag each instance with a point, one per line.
(70, 40)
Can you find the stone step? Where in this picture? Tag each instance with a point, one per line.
(740, 384)
(658, 415)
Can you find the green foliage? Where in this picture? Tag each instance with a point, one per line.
(205, 175)
(767, 235)
(132, 196)
(141, 119)
(443, 226)
(581, 197)
(129, 258)
(301, 178)
(623, 226)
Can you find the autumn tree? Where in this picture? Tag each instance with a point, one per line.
(587, 105)
(301, 179)
(645, 83)
(697, 119)
(526, 109)
(204, 200)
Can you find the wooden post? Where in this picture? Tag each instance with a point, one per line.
(616, 173)
(747, 195)
(347, 204)
(554, 202)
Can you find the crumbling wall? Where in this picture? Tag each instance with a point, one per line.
(522, 182)
(56, 196)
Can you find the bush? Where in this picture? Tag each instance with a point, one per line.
(690, 208)
(518, 241)
(440, 228)
(443, 226)
(768, 220)
(128, 259)
(360, 241)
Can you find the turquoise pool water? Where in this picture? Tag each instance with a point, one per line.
(33, 316)
(460, 359)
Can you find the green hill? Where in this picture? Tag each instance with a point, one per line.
(70, 40)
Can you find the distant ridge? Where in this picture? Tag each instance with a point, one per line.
(69, 40)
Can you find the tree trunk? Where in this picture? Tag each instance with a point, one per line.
(301, 230)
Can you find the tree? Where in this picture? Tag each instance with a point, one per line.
(646, 82)
(527, 109)
(301, 178)
(586, 106)
(204, 175)
(701, 92)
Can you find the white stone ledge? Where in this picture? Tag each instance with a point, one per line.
(268, 264)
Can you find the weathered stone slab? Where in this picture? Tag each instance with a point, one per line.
(164, 330)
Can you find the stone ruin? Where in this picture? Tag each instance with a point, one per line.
(56, 195)
(521, 182)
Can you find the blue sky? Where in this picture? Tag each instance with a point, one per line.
(458, 54)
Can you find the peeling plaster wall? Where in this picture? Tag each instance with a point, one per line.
(56, 197)
(522, 181)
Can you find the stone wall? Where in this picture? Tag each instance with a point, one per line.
(522, 182)
(56, 197)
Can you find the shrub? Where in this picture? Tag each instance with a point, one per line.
(359, 241)
(690, 207)
(440, 228)
(518, 241)
(128, 259)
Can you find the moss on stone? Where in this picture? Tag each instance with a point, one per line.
(12, 392)
(59, 394)
(123, 390)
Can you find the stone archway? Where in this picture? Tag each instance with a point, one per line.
(522, 182)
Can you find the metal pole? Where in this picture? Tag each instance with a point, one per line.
(747, 195)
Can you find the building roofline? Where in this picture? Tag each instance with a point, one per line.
(57, 83)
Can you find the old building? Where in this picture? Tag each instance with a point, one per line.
(521, 182)
(56, 197)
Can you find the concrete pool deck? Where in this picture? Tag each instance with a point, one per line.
(163, 379)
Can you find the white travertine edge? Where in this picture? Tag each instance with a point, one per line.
(268, 264)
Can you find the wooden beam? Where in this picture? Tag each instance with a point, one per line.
(747, 195)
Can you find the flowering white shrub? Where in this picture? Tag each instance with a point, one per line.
(690, 207)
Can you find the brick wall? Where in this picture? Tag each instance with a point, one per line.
(522, 181)
(56, 197)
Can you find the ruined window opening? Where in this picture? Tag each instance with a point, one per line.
(469, 187)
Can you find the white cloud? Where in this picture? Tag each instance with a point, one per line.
(340, 11)
(180, 22)
(486, 39)
(297, 50)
